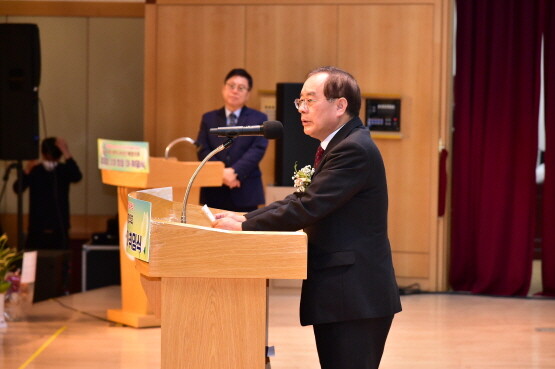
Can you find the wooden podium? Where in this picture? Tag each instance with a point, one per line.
(135, 311)
(208, 286)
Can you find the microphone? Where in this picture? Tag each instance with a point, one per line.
(223, 146)
(270, 129)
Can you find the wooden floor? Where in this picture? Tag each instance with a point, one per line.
(441, 331)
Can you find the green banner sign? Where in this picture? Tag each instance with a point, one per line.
(138, 228)
(125, 156)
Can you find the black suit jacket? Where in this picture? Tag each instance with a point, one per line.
(344, 213)
(243, 156)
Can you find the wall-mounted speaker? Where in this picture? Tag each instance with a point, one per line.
(19, 81)
(294, 146)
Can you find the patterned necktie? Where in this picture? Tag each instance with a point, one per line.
(232, 119)
(318, 157)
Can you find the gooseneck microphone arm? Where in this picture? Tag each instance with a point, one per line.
(178, 140)
(223, 146)
(269, 129)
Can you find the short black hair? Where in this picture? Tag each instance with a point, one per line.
(49, 148)
(239, 72)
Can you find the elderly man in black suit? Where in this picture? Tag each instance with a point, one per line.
(350, 295)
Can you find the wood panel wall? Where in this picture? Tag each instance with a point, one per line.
(392, 47)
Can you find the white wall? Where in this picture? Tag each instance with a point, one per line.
(91, 87)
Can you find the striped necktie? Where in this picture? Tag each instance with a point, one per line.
(232, 119)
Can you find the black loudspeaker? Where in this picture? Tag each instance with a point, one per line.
(19, 81)
(294, 146)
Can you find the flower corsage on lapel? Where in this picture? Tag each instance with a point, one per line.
(302, 178)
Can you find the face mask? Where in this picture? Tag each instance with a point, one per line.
(49, 165)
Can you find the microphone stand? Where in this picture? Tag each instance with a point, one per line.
(5, 178)
(19, 167)
(21, 235)
(177, 140)
(223, 146)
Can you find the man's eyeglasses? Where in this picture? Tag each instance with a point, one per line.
(240, 88)
(307, 103)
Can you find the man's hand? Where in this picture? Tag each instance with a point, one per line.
(230, 178)
(229, 221)
(62, 145)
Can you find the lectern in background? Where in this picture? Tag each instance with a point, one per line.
(209, 285)
(134, 310)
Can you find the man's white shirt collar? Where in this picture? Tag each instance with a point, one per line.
(325, 143)
(236, 112)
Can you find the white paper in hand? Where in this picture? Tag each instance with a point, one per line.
(208, 213)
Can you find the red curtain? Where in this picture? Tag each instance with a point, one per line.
(548, 244)
(495, 145)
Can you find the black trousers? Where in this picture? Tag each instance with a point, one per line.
(354, 344)
(220, 198)
(47, 240)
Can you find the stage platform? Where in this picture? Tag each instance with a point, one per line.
(443, 331)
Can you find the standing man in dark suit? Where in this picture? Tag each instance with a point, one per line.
(242, 179)
(350, 295)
